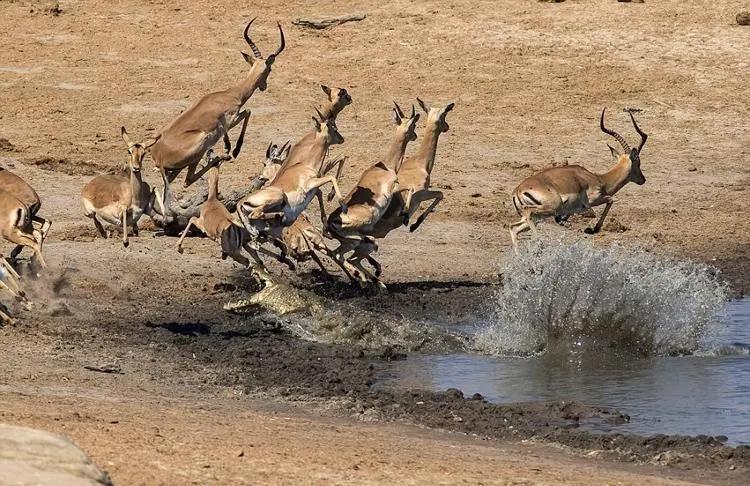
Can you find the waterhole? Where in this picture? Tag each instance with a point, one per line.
(620, 327)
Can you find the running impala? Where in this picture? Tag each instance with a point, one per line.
(188, 137)
(561, 191)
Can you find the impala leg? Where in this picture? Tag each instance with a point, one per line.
(244, 116)
(18, 237)
(14, 253)
(10, 283)
(323, 217)
(406, 197)
(99, 226)
(418, 199)
(5, 318)
(359, 274)
(193, 221)
(321, 181)
(192, 176)
(125, 241)
(164, 197)
(318, 262)
(515, 230)
(239, 258)
(8, 268)
(46, 224)
(366, 274)
(527, 215)
(281, 258)
(598, 226)
(339, 171)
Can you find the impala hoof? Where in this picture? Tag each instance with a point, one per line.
(589, 231)
(413, 228)
(180, 250)
(126, 244)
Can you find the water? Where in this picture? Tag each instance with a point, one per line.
(706, 393)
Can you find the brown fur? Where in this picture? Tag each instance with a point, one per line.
(562, 191)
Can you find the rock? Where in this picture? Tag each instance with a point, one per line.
(743, 18)
(31, 456)
(692, 168)
(6, 146)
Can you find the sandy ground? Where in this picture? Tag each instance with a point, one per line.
(529, 80)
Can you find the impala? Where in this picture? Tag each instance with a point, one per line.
(218, 224)
(15, 219)
(368, 201)
(302, 240)
(188, 137)
(338, 99)
(415, 172)
(294, 186)
(562, 191)
(117, 200)
(27, 195)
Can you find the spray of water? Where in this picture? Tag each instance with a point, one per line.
(563, 295)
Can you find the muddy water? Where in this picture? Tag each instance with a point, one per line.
(707, 393)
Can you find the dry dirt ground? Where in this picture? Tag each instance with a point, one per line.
(529, 81)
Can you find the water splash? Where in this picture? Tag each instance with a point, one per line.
(568, 296)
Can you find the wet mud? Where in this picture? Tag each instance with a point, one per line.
(260, 356)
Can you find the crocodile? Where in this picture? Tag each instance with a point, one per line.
(279, 298)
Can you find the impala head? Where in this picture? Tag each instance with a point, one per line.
(404, 124)
(338, 97)
(275, 156)
(436, 116)
(261, 67)
(327, 128)
(137, 150)
(633, 154)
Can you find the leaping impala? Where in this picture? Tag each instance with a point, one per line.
(368, 201)
(117, 200)
(561, 191)
(218, 224)
(188, 137)
(414, 173)
(15, 219)
(290, 192)
(338, 99)
(26, 194)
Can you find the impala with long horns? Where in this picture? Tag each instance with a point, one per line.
(188, 137)
(561, 191)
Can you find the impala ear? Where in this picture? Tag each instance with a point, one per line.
(316, 124)
(448, 108)
(424, 106)
(614, 152)
(151, 142)
(327, 91)
(285, 152)
(396, 117)
(125, 136)
(248, 58)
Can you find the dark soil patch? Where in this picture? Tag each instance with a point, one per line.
(69, 167)
(266, 359)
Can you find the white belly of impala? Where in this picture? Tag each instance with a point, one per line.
(296, 203)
